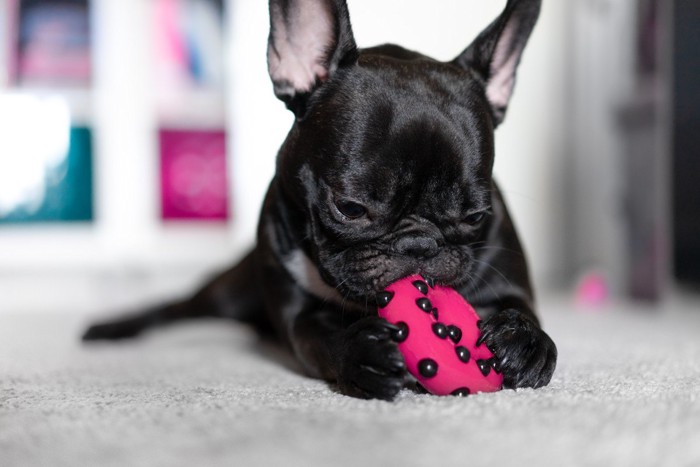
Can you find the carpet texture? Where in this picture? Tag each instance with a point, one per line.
(626, 393)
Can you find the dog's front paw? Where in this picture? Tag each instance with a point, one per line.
(371, 366)
(525, 354)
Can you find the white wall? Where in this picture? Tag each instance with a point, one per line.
(128, 235)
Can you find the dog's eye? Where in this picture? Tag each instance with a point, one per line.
(475, 218)
(351, 209)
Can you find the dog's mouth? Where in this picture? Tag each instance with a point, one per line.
(359, 279)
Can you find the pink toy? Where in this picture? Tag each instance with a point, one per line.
(437, 336)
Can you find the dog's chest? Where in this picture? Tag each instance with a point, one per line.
(306, 275)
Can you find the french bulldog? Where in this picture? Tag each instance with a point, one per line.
(386, 172)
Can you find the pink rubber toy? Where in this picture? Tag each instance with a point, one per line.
(437, 336)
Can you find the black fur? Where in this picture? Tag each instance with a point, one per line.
(386, 172)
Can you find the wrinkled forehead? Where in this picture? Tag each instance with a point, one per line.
(409, 137)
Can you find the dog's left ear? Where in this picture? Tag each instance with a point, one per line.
(495, 53)
(309, 40)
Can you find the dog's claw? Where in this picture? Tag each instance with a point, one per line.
(485, 335)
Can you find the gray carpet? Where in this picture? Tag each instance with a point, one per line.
(626, 393)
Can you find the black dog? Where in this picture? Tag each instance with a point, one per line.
(386, 172)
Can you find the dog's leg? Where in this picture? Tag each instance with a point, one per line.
(233, 294)
(500, 290)
(336, 341)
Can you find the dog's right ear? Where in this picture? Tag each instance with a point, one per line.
(495, 54)
(309, 40)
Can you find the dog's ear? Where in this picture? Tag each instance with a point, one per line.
(309, 40)
(495, 53)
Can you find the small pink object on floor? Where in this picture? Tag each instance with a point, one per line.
(592, 290)
(437, 335)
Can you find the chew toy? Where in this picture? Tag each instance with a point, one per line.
(437, 334)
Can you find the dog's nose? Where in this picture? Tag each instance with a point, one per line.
(417, 246)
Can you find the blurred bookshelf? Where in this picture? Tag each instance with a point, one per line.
(114, 136)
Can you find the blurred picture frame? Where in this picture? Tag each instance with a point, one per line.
(50, 42)
(51, 179)
(193, 175)
(189, 43)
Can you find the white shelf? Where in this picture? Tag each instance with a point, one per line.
(124, 107)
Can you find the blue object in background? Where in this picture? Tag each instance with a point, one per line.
(68, 195)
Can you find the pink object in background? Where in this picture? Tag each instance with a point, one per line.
(193, 175)
(592, 290)
(437, 336)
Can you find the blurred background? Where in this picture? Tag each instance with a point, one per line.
(137, 139)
